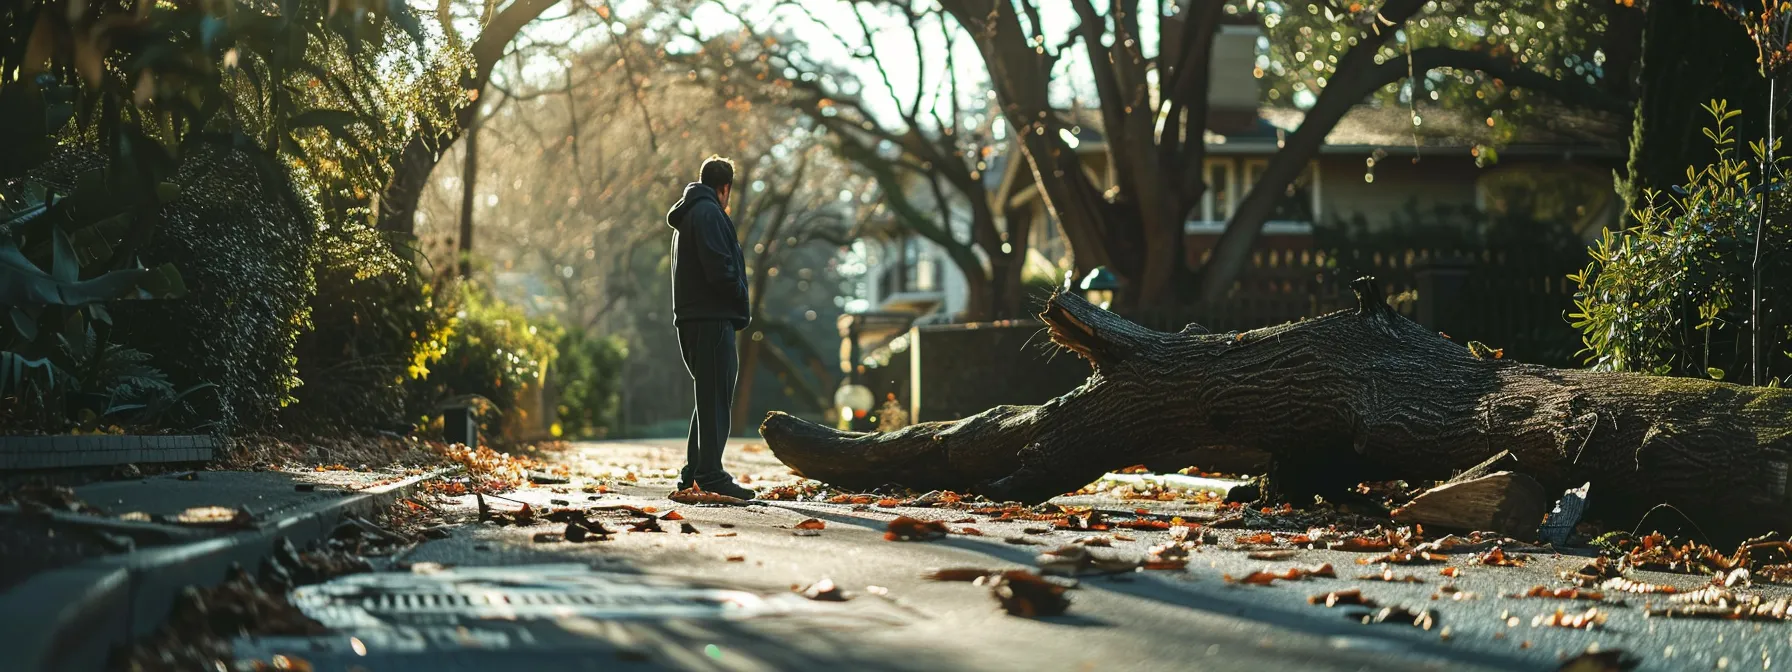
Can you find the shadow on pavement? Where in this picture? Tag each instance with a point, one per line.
(1225, 600)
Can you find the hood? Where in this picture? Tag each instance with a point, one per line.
(694, 193)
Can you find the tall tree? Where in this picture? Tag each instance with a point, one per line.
(498, 27)
(1692, 54)
(1153, 101)
(927, 142)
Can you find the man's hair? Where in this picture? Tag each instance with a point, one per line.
(718, 172)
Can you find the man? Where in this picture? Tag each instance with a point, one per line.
(709, 304)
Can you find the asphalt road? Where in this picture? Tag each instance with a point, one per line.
(642, 603)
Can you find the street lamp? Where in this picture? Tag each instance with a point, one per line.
(1099, 285)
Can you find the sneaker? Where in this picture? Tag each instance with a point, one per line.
(729, 488)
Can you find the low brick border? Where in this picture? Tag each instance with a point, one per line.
(70, 619)
(101, 450)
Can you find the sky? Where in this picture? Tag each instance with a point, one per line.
(827, 23)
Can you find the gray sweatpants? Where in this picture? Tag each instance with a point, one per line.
(709, 354)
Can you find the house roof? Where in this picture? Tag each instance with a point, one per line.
(1366, 127)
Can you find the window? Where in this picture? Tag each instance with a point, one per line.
(1217, 204)
(1230, 180)
(924, 274)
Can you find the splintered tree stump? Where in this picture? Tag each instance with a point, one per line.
(1509, 503)
(1348, 396)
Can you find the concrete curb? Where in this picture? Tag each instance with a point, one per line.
(71, 619)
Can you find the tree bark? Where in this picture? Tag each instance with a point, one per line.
(469, 175)
(1691, 55)
(1354, 395)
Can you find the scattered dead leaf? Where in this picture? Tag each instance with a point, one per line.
(1389, 576)
(1279, 554)
(1450, 590)
(1499, 558)
(904, 528)
(1144, 524)
(1341, 597)
(1586, 620)
(1071, 560)
(1265, 577)
(1404, 558)
(966, 574)
(1026, 594)
(1424, 619)
(821, 591)
(1560, 594)
(811, 524)
(1624, 585)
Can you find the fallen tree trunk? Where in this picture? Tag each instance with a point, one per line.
(1349, 396)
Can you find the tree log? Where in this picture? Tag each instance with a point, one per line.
(1509, 503)
(1349, 396)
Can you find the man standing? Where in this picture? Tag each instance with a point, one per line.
(709, 304)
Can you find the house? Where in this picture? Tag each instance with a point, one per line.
(1378, 165)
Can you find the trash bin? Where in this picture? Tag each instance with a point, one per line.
(460, 425)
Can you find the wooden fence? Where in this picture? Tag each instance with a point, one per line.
(1506, 301)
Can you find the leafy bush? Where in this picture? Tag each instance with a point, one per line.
(1670, 295)
(245, 244)
(588, 375)
(66, 250)
(374, 326)
(217, 136)
(492, 352)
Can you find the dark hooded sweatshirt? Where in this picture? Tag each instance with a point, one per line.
(709, 279)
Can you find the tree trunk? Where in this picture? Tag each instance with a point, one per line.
(468, 179)
(1692, 55)
(1354, 395)
(398, 203)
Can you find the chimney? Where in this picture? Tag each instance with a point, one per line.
(1233, 93)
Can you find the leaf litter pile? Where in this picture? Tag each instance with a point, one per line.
(581, 527)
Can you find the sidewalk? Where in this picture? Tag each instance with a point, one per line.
(76, 584)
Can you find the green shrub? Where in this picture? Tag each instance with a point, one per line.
(374, 326)
(492, 351)
(588, 375)
(1670, 295)
(67, 251)
(245, 246)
